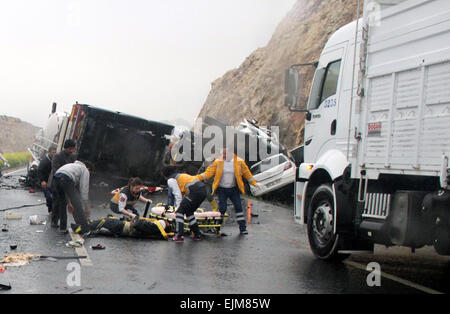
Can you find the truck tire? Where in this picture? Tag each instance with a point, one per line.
(442, 241)
(323, 241)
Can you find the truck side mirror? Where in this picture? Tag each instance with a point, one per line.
(298, 78)
(291, 87)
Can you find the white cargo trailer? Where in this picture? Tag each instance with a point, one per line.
(377, 131)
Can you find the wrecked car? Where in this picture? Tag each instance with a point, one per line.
(273, 173)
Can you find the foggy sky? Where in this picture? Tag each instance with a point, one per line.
(151, 58)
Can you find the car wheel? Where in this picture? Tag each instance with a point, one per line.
(322, 239)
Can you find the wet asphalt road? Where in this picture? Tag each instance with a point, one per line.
(274, 258)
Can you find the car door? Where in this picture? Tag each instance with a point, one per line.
(322, 104)
(270, 171)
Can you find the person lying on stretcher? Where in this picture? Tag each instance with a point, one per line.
(137, 227)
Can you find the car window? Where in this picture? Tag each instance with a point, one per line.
(331, 80)
(325, 84)
(268, 164)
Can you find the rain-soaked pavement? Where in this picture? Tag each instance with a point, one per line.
(273, 259)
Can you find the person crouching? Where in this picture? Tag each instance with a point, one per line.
(189, 194)
(123, 202)
(72, 186)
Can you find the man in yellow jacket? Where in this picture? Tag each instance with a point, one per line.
(228, 171)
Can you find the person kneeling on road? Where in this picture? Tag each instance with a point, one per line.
(123, 202)
(71, 183)
(189, 194)
(137, 227)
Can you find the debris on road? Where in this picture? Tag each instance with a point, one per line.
(2, 269)
(21, 259)
(5, 228)
(5, 287)
(98, 247)
(22, 206)
(34, 220)
(13, 216)
(75, 244)
(17, 259)
(51, 258)
(13, 246)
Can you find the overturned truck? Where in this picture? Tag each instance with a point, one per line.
(119, 145)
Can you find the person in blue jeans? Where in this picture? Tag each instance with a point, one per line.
(229, 171)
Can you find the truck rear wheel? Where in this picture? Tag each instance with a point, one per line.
(322, 239)
(442, 241)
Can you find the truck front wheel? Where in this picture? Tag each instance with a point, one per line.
(322, 239)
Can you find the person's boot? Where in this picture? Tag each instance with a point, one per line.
(197, 235)
(242, 227)
(177, 238)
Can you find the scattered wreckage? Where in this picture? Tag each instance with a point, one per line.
(122, 146)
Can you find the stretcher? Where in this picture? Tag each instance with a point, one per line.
(208, 221)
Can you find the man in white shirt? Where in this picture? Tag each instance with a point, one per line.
(72, 186)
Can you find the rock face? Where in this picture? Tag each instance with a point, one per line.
(256, 89)
(15, 135)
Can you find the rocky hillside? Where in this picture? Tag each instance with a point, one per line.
(15, 135)
(256, 89)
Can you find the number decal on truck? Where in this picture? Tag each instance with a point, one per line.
(329, 103)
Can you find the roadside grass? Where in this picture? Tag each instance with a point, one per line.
(16, 159)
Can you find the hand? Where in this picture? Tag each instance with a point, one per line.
(132, 216)
(43, 184)
(7, 165)
(70, 208)
(87, 211)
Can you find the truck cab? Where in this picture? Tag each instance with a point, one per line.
(376, 100)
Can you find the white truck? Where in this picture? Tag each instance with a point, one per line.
(377, 131)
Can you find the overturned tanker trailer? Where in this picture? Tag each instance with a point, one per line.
(119, 145)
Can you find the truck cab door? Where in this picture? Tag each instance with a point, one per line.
(321, 123)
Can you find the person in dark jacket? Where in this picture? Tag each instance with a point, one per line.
(138, 227)
(5, 163)
(66, 156)
(44, 169)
